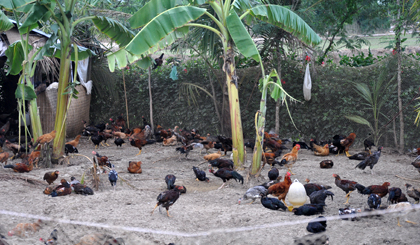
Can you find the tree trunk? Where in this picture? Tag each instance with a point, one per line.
(277, 130)
(151, 101)
(235, 112)
(400, 106)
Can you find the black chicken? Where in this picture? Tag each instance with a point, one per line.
(359, 156)
(272, 203)
(184, 149)
(96, 138)
(368, 145)
(170, 181)
(200, 174)
(158, 62)
(317, 225)
(118, 141)
(302, 144)
(273, 174)
(226, 143)
(70, 149)
(312, 187)
(113, 177)
(221, 163)
(226, 174)
(318, 197)
(374, 201)
(309, 209)
(396, 195)
(338, 148)
(371, 160)
(167, 199)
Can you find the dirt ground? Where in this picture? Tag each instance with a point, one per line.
(204, 215)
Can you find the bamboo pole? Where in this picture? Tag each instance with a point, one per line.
(126, 104)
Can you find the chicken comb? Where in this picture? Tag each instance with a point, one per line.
(288, 174)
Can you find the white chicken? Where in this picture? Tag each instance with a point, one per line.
(253, 193)
(404, 208)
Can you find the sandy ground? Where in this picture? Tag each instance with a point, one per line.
(204, 215)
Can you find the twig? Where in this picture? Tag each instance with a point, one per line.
(407, 178)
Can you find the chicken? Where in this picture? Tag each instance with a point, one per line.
(272, 203)
(336, 143)
(360, 156)
(312, 187)
(269, 157)
(272, 144)
(158, 62)
(74, 142)
(347, 142)
(416, 163)
(22, 229)
(15, 148)
(326, 164)
(396, 195)
(208, 145)
(349, 212)
(102, 160)
(23, 167)
(371, 160)
(321, 150)
(80, 188)
(105, 137)
(221, 163)
(347, 186)
(169, 141)
(200, 174)
(113, 177)
(253, 193)
(52, 239)
(212, 156)
(50, 177)
(281, 189)
(63, 189)
(290, 158)
(100, 239)
(226, 143)
(119, 141)
(70, 149)
(185, 149)
(167, 199)
(381, 190)
(120, 123)
(45, 139)
(271, 182)
(302, 144)
(96, 139)
(318, 197)
(170, 181)
(374, 201)
(120, 135)
(317, 225)
(226, 174)
(368, 145)
(402, 209)
(413, 192)
(134, 167)
(273, 174)
(4, 157)
(138, 138)
(308, 209)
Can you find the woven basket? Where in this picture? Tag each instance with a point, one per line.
(78, 111)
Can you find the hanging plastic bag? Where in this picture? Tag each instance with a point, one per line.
(307, 84)
(174, 74)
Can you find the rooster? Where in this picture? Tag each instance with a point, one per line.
(139, 138)
(371, 160)
(347, 186)
(281, 189)
(226, 174)
(167, 199)
(290, 158)
(347, 142)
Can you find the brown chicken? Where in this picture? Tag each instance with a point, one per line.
(167, 199)
(22, 229)
(50, 177)
(23, 167)
(347, 186)
(16, 149)
(321, 150)
(120, 135)
(34, 158)
(326, 164)
(134, 167)
(4, 157)
(290, 158)
(45, 138)
(272, 144)
(102, 160)
(169, 141)
(62, 190)
(213, 156)
(281, 189)
(208, 145)
(74, 142)
(347, 142)
(138, 138)
(416, 162)
(270, 157)
(105, 137)
(380, 190)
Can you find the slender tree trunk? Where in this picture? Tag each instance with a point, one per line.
(150, 97)
(235, 112)
(215, 101)
(400, 106)
(277, 130)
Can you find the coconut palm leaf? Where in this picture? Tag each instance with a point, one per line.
(360, 120)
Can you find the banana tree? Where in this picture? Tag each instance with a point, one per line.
(163, 21)
(61, 17)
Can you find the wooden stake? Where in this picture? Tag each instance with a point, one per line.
(126, 104)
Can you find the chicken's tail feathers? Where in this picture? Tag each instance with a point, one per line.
(360, 188)
(238, 177)
(391, 195)
(9, 166)
(283, 162)
(353, 157)
(361, 165)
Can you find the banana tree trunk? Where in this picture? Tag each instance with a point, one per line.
(235, 112)
(35, 120)
(256, 158)
(62, 100)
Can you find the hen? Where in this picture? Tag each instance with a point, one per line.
(413, 192)
(403, 208)
(45, 139)
(138, 138)
(326, 164)
(134, 167)
(347, 186)
(370, 160)
(52, 239)
(313, 187)
(269, 157)
(167, 199)
(290, 158)
(359, 156)
(22, 229)
(381, 190)
(23, 167)
(321, 150)
(221, 163)
(318, 197)
(272, 203)
(347, 142)
(15, 148)
(102, 160)
(253, 193)
(119, 141)
(96, 139)
(416, 162)
(50, 177)
(317, 225)
(281, 189)
(113, 177)
(70, 149)
(226, 174)
(273, 174)
(4, 157)
(368, 145)
(396, 195)
(200, 175)
(212, 156)
(80, 188)
(74, 142)
(308, 209)
(63, 189)
(226, 143)
(374, 201)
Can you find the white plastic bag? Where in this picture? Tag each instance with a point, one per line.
(307, 84)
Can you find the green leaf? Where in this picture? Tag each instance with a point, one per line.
(145, 62)
(241, 37)
(5, 23)
(161, 26)
(287, 20)
(83, 52)
(150, 10)
(35, 14)
(25, 90)
(15, 57)
(359, 120)
(19, 5)
(114, 30)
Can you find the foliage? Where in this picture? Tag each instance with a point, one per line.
(357, 60)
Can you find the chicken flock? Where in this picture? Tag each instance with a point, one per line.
(275, 152)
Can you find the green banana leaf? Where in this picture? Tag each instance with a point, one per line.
(25, 90)
(359, 120)
(241, 37)
(114, 30)
(5, 23)
(18, 5)
(15, 57)
(38, 12)
(287, 20)
(144, 63)
(83, 52)
(150, 10)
